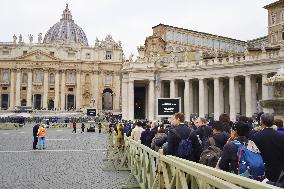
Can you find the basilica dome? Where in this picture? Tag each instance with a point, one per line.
(66, 31)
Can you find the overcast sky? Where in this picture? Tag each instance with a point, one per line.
(131, 21)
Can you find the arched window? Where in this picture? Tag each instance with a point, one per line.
(107, 99)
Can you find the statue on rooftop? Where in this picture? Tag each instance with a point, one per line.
(14, 38)
(20, 38)
(39, 38)
(31, 38)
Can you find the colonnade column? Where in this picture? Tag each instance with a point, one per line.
(45, 89)
(12, 90)
(172, 89)
(29, 89)
(124, 99)
(253, 95)
(201, 97)
(95, 91)
(232, 98)
(78, 90)
(56, 90)
(216, 98)
(264, 91)
(62, 98)
(151, 101)
(190, 97)
(186, 100)
(18, 88)
(248, 95)
(131, 100)
(237, 96)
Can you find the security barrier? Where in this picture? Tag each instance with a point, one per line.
(155, 170)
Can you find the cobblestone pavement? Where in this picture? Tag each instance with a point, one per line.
(70, 161)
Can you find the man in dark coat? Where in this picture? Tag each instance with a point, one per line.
(270, 143)
(147, 136)
(184, 132)
(35, 130)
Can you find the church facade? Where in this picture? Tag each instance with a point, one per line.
(61, 71)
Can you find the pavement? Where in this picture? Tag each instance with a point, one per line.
(69, 161)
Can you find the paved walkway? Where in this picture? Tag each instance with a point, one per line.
(70, 161)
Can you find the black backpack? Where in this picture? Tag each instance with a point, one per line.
(211, 155)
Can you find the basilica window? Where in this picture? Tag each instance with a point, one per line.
(25, 78)
(282, 35)
(5, 76)
(108, 55)
(71, 77)
(25, 52)
(273, 19)
(108, 79)
(51, 78)
(37, 77)
(51, 53)
(273, 38)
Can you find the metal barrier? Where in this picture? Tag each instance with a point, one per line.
(155, 170)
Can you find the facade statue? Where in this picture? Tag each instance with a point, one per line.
(20, 38)
(31, 38)
(119, 44)
(14, 38)
(97, 42)
(39, 38)
(131, 57)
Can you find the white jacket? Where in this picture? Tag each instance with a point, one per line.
(136, 133)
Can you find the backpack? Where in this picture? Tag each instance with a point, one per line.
(250, 164)
(211, 155)
(184, 147)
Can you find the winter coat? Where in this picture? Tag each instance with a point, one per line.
(157, 137)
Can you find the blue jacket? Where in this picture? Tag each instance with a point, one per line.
(280, 130)
(146, 137)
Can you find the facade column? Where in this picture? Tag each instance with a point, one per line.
(186, 100)
(124, 99)
(131, 100)
(151, 100)
(248, 95)
(45, 90)
(95, 90)
(62, 98)
(216, 98)
(264, 91)
(237, 96)
(56, 91)
(158, 91)
(201, 97)
(221, 93)
(18, 88)
(172, 89)
(12, 90)
(206, 111)
(78, 90)
(190, 97)
(232, 98)
(253, 95)
(29, 89)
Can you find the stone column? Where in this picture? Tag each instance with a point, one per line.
(172, 89)
(216, 98)
(29, 89)
(45, 90)
(206, 111)
(78, 90)
(253, 95)
(264, 91)
(62, 97)
(221, 93)
(201, 97)
(12, 90)
(56, 91)
(237, 96)
(158, 91)
(186, 100)
(131, 100)
(190, 97)
(232, 98)
(18, 88)
(124, 100)
(248, 95)
(151, 100)
(95, 89)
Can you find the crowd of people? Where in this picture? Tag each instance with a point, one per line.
(251, 148)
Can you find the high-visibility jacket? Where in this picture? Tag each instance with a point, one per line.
(41, 132)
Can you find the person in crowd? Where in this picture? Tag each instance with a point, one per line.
(161, 133)
(270, 143)
(225, 120)
(136, 132)
(82, 128)
(41, 137)
(229, 158)
(120, 134)
(35, 130)
(100, 127)
(74, 127)
(147, 136)
(219, 136)
(203, 131)
(279, 124)
(184, 132)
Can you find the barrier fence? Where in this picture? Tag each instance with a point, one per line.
(153, 170)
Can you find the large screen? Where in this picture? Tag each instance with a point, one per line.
(168, 106)
(91, 112)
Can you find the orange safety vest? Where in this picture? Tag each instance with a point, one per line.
(41, 132)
